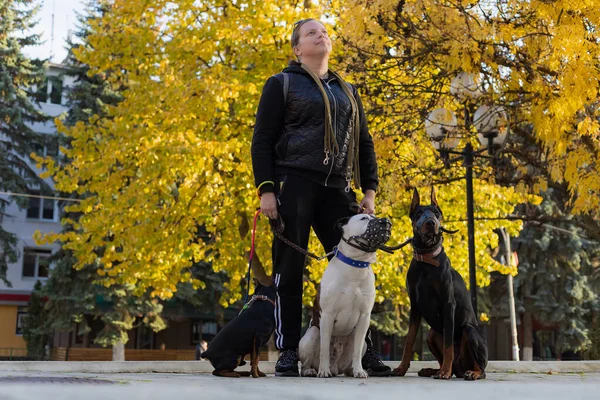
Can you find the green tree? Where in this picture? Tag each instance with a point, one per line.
(91, 94)
(593, 350)
(35, 329)
(555, 283)
(18, 76)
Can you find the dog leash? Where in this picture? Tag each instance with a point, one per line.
(391, 249)
(251, 255)
(277, 226)
(283, 239)
(275, 229)
(300, 249)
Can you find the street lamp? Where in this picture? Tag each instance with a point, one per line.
(492, 126)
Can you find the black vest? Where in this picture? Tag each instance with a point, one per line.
(301, 144)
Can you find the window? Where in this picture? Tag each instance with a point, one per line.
(42, 209)
(56, 90)
(196, 329)
(21, 313)
(36, 263)
(52, 93)
(38, 148)
(41, 93)
(203, 330)
(48, 146)
(51, 145)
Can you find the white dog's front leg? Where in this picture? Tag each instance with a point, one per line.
(326, 330)
(359, 341)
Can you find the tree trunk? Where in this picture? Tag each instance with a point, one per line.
(508, 256)
(527, 324)
(513, 319)
(118, 351)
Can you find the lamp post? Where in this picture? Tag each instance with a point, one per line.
(492, 127)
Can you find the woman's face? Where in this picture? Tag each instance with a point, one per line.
(314, 41)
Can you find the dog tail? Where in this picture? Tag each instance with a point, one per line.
(479, 346)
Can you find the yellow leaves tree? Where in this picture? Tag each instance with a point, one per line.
(172, 160)
(539, 59)
(166, 173)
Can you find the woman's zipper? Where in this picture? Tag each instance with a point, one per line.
(334, 123)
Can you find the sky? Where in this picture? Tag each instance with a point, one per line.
(65, 18)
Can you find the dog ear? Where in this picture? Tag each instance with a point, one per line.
(415, 202)
(340, 223)
(259, 272)
(433, 199)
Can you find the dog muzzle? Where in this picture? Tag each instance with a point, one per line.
(428, 225)
(378, 232)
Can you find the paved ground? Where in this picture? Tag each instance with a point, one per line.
(501, 386)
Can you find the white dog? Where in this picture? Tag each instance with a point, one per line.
(336, 343)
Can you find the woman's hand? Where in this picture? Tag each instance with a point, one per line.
(268, 205)
(368, 202)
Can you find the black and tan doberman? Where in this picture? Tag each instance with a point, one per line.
(438, 293)
(246, 333)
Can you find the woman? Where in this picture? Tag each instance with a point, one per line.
(310, 142)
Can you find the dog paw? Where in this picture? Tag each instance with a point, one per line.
(442, 375)
(428, 372)
(400, 370)
(310, 372)
(474, 375)
(228, 374)
(258, 374)
(326, 373)
(361, 373)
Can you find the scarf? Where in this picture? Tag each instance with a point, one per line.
(331, 145)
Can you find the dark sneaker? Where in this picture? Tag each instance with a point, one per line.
(287, 365)
(373, 364)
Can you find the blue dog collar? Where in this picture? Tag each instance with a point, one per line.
(347, 260)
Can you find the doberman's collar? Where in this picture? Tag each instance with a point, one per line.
(255, 298)
(429, 258)
(347, 260)
(262, 297)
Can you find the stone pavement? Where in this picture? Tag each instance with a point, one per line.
(197, 367)
(20, 385)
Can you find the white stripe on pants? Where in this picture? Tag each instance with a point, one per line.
(278, 333)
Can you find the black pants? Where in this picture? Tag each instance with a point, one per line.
(302, 204)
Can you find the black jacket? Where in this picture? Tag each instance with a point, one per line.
(288, 138)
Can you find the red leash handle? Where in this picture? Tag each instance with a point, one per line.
(254, 234)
